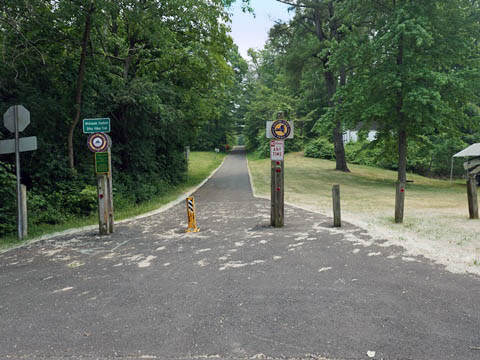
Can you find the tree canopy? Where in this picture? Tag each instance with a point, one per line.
(166, 73)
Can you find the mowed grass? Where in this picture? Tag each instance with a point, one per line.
(436, 210)
(201, 165)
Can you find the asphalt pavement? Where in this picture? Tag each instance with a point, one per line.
(238, 289)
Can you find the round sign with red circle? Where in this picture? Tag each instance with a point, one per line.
(98, 142)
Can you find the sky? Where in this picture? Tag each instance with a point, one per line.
(252, 32)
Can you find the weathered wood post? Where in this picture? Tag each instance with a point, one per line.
(100, 144)
(278, 131)
(399, 202)
(337, 216)
(472, 197)
(103, 204)
(111, 217)
(103, 170)
(272, 192)
(278, 192)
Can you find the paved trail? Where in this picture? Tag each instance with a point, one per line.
(235, 290)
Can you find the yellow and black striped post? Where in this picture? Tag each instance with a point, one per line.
(192, 221)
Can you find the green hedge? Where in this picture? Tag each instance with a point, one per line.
(426, 156)
(320, 148)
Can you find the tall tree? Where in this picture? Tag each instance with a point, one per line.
(88, 13)
(160, 70)
(322, 19)
(416, 65)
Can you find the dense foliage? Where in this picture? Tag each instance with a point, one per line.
(410, 68)
(169, 76)
(166, 73)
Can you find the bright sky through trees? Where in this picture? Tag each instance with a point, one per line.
(252, 32)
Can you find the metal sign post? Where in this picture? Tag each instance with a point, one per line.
(278, 130)
(17, 169)
(16, 119)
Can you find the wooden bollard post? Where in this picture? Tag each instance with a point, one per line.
(272, 193)
(399, 202)
(111, 217)
(24, 211)
(277, 192)
(337, 215)
(472, 197)
(103, 204)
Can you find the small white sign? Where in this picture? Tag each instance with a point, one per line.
(217, 150)
(277, 149)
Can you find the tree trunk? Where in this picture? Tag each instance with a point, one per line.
(78, 92)
(402, 156)
(340, 158)
(339, 149)
(402, 133)
(331, 81)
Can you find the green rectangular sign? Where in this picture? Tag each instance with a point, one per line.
(102, 163)
(96, 125)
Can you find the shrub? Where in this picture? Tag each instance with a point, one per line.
(85, 202)
(8, 200)
(320, 148)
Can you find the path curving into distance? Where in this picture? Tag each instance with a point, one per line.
(238, 289)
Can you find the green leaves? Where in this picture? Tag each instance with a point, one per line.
(165, 72)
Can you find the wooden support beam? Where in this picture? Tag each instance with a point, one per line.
(337, 216)
(103, 207)
(272, 193)
(277, 192)
(111, 217)
(472, 197)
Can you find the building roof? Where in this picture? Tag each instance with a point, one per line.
(472, 150)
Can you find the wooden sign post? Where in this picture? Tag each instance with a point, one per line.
(100, 144)
(102, 191)
(111, 218)
(277, 211)
(278, 131)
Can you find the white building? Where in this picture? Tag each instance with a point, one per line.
(352, 135)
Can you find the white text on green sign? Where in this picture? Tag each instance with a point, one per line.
(102, 163)
(96, 125)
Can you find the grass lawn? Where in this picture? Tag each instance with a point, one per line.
(201, 165)
(436, 211)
